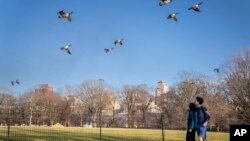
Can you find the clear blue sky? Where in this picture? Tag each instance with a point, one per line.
(155, 48)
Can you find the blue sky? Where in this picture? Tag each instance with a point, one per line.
(155, 48)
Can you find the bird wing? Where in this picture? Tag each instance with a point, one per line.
(100, 79)
(200, 3)
(17, 82)
(175, 18)
(216, 69)
(68, 51)
(69, 18)
(161, 3)
(190, 8)
(61, 12)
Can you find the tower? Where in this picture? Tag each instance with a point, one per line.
(161, 88)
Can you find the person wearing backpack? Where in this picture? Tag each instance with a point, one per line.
(191, 122)
(203, 118)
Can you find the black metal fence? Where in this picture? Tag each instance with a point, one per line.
(34, 133)
(11, 131)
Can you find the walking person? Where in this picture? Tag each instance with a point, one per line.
(203, 118)
(191, 122)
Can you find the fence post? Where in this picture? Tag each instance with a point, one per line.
(100, 108)
(8, 122)
(162, 128)
(100, 118)
(8, 131)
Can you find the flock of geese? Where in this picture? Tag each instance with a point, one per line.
(119, 42)
(173, 16)
(67, 15)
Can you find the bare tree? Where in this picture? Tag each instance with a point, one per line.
(136, 100)
(40, 106)
(27, 105)
(50, 106)
(238, 84)
(7, 105)
(93, 98)
(112, 109)
(190, 86)
(218, 105)
(129, 98)
(144, 101)
(66, 108)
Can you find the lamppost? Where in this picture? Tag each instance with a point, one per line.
(100, 108)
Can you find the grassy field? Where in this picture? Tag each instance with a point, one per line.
(88, 134)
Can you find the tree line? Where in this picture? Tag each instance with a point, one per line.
(95, 103)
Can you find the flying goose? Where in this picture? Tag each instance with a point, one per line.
(173, 16)
(13, 82)
(102, 80)
(118, 42)
(66, 48)
(217, 70)
(107, 50)
(65, 15)
(196, 7)
(164, 2)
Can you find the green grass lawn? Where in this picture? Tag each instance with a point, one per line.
(92, 134)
